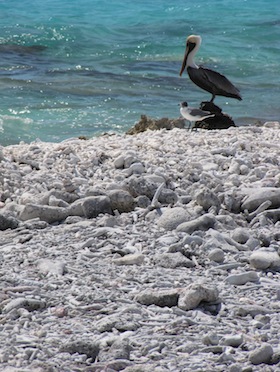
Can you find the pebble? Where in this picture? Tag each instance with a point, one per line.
(173, 217)
(133, 252)
(194, 294)
(263, 354)
(263, 259)
(242, 278)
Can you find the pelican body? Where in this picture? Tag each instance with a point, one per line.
(209, 80)
(194, 114)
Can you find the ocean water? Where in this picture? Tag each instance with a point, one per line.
(71, 68)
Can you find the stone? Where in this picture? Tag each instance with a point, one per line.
(261, 355)
(129, 259)
(93, 206)
(217, 255)
(242, 278)
(29, 304)
(240, 235)
(173, 260)
(263, 259)
(203, 223)
(207, 199)
(233, 340)
(122, 323)
(194, 294)
(253, 310)
(81, 346)
(44, 213)
(120, 349)
(8, 222)
(121, 201)
(173, 217)
(159, 297)
(47, 266)
(258, 196)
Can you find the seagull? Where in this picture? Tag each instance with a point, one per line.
(193, 114)
(209, 80)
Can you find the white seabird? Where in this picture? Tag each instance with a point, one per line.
(193, 114)
(209, 80)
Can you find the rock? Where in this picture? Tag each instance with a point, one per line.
(90, 206)
(119, 162)
(146, 123)
(217, 255)
(194, 294)
(253, 310)
(203, 223)
(121, 201)
(8, 222)
(122, 323)
(261, 355)
(129, 259)
(240, 235)
(242, 278)
(47, 266)
(81, 346)
(29, 304)
(207, 199)
(138, 185)
(44, 213)
(173, 217)
(232, 340)
(263, 259)
(168, 297)
(258, 196)
(173, 260)
(120, 349)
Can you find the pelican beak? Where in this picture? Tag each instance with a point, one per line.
(184, 60)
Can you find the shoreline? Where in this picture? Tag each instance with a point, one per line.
(152, 252)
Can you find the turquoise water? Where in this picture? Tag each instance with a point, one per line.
(70, 68)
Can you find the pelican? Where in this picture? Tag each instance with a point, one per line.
(193, 114)
(209, 80)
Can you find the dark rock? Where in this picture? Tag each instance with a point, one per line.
(121, 201)
(219, 121)
(7, 222)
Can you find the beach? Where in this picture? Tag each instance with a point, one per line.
(157, 251)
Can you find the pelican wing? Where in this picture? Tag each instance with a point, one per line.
(220, 84)
(213, 82)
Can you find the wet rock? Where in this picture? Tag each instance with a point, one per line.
(194, 294)
(168, 297)
(261, 355)
(173, 217)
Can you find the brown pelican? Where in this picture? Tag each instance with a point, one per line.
(193, 114)
(209, 80)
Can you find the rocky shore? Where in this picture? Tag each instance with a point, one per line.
(152, 252)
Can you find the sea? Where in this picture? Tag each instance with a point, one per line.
(73, 68)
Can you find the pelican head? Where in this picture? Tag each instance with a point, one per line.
(192, 45)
